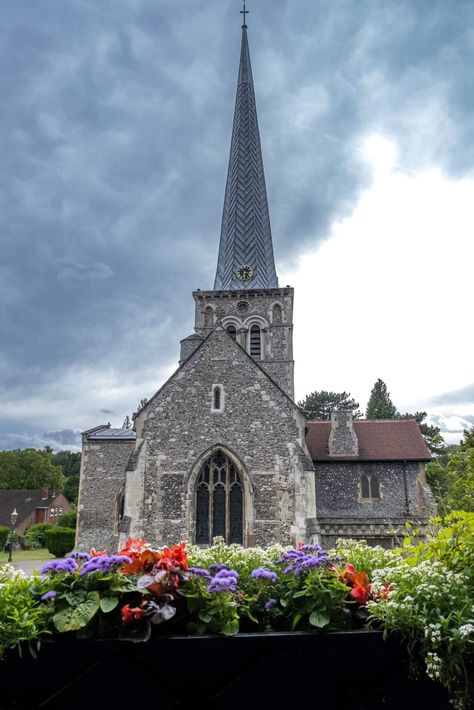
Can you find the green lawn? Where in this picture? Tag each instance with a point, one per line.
(20, 555)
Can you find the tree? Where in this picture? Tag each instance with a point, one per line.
(451, 478)
(69, 461)
(467, 442)
(319, 405)
(431, 434)
(380, 406)
(127, 424)
(29, 469)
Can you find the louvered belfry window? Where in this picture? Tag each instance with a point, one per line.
(255, 342)
(219, 501)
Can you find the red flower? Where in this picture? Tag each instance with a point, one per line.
(97, 553)
(361, 587)
(130, 614)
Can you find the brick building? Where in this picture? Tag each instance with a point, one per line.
(222, 448)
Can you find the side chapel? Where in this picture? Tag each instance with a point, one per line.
(222, 449)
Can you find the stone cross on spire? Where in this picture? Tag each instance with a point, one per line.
(245, 250)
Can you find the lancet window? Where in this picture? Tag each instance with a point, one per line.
(369, 487)
(231, 329)
(219, 501)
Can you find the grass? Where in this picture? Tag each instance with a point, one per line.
(22, 555)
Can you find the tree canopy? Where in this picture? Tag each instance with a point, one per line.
(380, 406)
(29, 469)
(451, 476)
(320, 404)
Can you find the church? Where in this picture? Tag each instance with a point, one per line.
(222, 449)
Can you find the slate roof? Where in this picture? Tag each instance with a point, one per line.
(246, 238)
(379, 440)
(25, 501)
(106, 432)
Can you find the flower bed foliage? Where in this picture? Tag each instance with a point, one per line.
(425, 591)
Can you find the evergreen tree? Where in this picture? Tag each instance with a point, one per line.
(380, 406)
(319, 405)
(127, 424)
(430, 433)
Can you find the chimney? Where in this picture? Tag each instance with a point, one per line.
(342, 439)
(45, 493)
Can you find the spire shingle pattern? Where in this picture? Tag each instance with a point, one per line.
(246, 238)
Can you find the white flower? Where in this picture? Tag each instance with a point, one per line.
(466, 630)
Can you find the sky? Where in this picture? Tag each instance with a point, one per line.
(114, 135)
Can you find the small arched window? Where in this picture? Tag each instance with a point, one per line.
(231, 329)
(369, 487)
(208, 317)
(217, 398)
(255, 342)
(277, 315)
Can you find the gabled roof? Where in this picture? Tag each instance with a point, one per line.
(379, 440)
(219, 329)
(25, 502)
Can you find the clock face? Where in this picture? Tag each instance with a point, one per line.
(244, 273)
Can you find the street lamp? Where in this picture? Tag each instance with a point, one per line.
(13, 517)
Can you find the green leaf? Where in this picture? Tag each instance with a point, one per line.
(301, 593)
(108, 604)
(296, 620)
(319, 619)
(205, 616)
(76, 598)
(230, 628)
(74, 618)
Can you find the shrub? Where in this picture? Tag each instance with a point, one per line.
(36, 534)
(69, 519)
(4, 533)
(60, 541)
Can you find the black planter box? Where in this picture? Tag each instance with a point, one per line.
(350, 670)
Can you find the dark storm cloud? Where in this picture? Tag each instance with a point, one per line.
(114, 138)
(465, 395)
(64, 436)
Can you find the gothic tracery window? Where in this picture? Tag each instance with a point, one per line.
(219, 501)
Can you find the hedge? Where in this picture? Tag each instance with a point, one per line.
(36, 533)
(4, 533)
(60, 541)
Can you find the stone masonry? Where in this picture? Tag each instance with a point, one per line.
(259, 427)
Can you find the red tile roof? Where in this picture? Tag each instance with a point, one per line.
(379, 440)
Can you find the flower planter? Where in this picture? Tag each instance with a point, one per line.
(351, 670)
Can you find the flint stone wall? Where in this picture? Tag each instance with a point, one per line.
(258, 425)
(102, 478)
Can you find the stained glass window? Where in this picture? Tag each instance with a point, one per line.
(219, 501)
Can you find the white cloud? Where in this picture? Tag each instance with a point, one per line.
(387, 295)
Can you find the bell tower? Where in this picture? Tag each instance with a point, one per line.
(246, 299)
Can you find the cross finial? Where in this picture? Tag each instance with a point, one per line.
(244, 12)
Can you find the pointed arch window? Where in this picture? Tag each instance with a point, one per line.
(232, 330)
(369, 487)
(217, 398)
(219, 501)
(255, 342)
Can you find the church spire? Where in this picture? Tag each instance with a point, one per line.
(245, 250)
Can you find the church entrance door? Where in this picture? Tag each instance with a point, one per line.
(219, 501)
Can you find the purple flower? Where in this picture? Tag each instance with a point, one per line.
(104, 564)
(199, 571)
(68, 565)
(76, 555)
(225, 580)
(218, 566)
(49, 595)
(262, 573)
(269, 604)
(302, 560)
